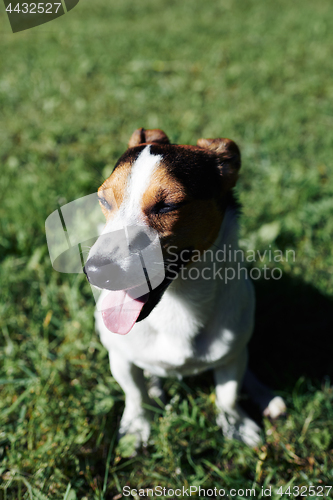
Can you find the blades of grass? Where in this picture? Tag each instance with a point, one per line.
(124, 464)
(68, 489)
(4, 381)
(101, 432)
(27, 484)
(27, 371)
(286, 486)
(116, 480)
(48, 383)
(153, 408)
(108, 460)
(213, 467)
(38, 495)
(306, 424)
(17, 403)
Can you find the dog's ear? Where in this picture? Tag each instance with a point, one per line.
(142, 136)
(229, 158)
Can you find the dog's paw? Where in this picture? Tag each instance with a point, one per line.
(138, 427)
(250, 433)
(243, 429)
(275, 408)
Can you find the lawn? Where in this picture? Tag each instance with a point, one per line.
(71, 93)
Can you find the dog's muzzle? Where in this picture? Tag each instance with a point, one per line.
(122, 260)
(103, 273)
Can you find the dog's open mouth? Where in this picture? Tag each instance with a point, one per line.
(120, 311)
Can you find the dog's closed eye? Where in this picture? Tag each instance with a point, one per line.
(104, 203)
(163, 208)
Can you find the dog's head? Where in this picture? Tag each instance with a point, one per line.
(161, 202)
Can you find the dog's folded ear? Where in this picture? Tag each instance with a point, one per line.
(229, 157)
(142, 136)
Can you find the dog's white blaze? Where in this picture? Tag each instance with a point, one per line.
(138, 182)
(130, 211)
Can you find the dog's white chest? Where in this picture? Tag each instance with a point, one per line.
(183, 336)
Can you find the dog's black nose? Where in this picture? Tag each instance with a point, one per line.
(104, 273)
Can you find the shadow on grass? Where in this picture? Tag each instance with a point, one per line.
(293, 334)
(293, 338)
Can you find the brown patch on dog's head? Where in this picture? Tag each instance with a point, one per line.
(196, 225)
(197, 181)
(113, 190)
(164, 191)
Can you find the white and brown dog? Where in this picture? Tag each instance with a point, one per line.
(180, 326)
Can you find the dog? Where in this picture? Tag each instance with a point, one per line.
(179, 200)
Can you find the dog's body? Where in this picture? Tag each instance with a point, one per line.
(193, 320)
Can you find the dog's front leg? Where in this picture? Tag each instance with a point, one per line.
(233, 420)
(135, 419)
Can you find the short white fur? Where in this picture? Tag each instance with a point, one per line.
(138, 182)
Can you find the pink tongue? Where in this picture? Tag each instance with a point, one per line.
(120, 311)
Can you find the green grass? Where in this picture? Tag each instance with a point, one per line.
(71, 94)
